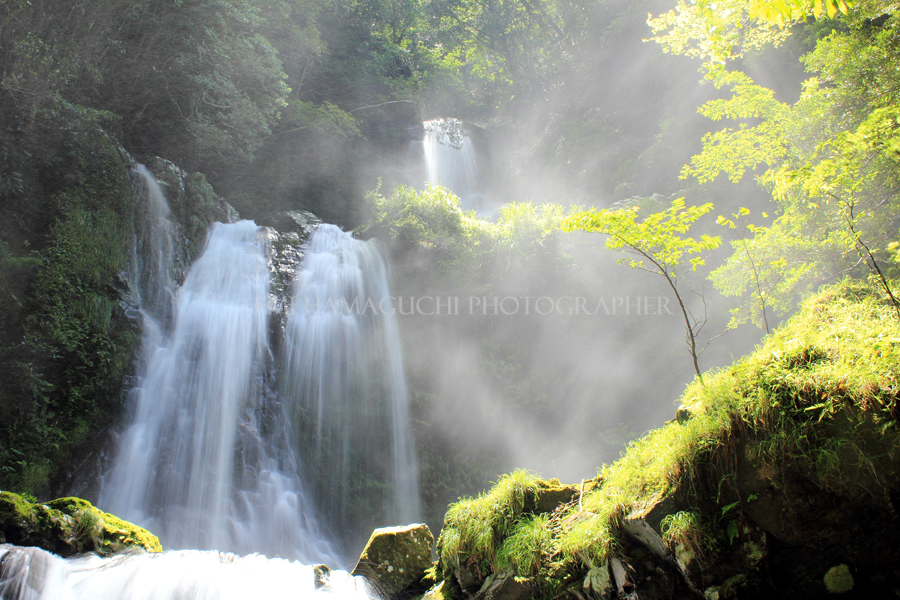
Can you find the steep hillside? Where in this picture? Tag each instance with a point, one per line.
(779, 477)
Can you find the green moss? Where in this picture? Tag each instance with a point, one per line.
(201, 203)
(838, 580)
(69, 526)
(523, 550)
(475, 527)
(14, 507)
(445, 590)
(687, 537)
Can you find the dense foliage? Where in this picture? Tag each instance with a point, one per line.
(65, 341)
(829, 159)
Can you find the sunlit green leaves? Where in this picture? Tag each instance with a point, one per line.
(783, 12)
(656, 241)
(722, 30)
(432, 219)
(831, 159)
(715, 32)
(770, 265)
(737, 150)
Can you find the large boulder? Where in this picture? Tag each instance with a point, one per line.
(298, 221)
(69, 526)
(396, 557)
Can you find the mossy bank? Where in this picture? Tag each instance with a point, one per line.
(780, 477)
(69, 526)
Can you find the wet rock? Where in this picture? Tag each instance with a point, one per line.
(730, 588)
(69, 526)
(396, 557)
(297, 221)
(442, 591)
(548, 496)
(597, 582)
(639, 530)
(620, 576)
(468, 576)
(194, 204)
(504, 586)
(682, 415)
(286, 234)
(321, 574)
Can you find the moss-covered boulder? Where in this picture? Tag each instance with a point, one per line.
(68, 526)
(396, 557)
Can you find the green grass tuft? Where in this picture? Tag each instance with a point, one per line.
(474, 528)
(522, 551)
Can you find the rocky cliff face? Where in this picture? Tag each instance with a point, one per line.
(66, 340)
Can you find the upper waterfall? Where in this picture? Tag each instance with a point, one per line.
(450, 160)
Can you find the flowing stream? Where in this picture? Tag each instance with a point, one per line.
(33, 574)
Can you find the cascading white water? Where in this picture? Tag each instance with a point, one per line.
(193, 466)
(212, 458)
(343, 376)
(33, 574)
(450, 162)
(154, 256)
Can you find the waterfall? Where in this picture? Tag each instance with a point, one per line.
(154, 249)
(33, 574)
(217, 455)
(195, 466)
(450, 162)
(344, 378)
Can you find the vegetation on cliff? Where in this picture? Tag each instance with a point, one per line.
(763, 481)
(66, 343)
